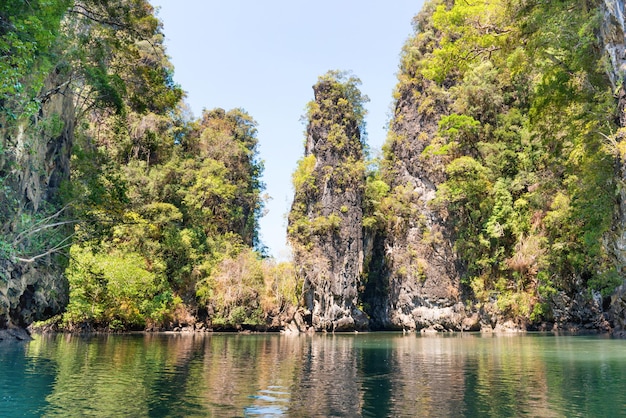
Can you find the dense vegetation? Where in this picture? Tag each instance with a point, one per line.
(155, 217)
(501, 165)
(522, 107)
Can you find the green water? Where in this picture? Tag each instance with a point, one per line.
(376, 375)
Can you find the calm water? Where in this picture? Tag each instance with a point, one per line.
(373, 375)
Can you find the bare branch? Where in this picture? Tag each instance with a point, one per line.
(476, 52)
(58, 247)
(38, 256)
(24, 235)
(45, 96)
(28, 232)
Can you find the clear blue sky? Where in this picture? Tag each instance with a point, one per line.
(264, 57)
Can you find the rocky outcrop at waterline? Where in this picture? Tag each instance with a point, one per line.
(10, 335)
(30, 292)
(617, 311)
(325, 222)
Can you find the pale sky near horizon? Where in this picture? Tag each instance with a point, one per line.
(264, 57)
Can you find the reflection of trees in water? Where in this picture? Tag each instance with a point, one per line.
(319, 375)
(242, 371)
(379, 375)
(546, 376)
(377, 363)
(409, 375)
(174, 381)
(471, 375)
(99, 375)
(164, 375)
(505, 377)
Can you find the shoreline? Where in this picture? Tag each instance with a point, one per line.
(26, 334)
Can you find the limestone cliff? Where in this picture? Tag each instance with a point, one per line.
(325, 222)
(477, 166)
(414, 273)
(613, 37)
(33, 166)
(612, 33)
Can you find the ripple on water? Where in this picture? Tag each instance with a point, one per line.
(269, 376)
(270, 402)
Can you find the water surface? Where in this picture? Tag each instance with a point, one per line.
(367, 374)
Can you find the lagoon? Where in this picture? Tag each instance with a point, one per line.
(343, 375)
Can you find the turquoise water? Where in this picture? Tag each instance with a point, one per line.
(367, 374)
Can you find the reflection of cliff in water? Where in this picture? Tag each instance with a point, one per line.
(367, 374)
(379, 375)
(503, 377)
(428, 376)
(328, 383)
(247, 372)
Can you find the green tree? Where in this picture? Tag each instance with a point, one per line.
(522, 103)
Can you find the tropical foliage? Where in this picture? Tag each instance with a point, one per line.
(157, 208)
(153, 214)
(523, 103)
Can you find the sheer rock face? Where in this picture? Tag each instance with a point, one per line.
(613, 32)
(35, 163)
(613, 36)
(328, 249)
(414, 278)
(30, 292)
(413, 271)
(617, 312)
